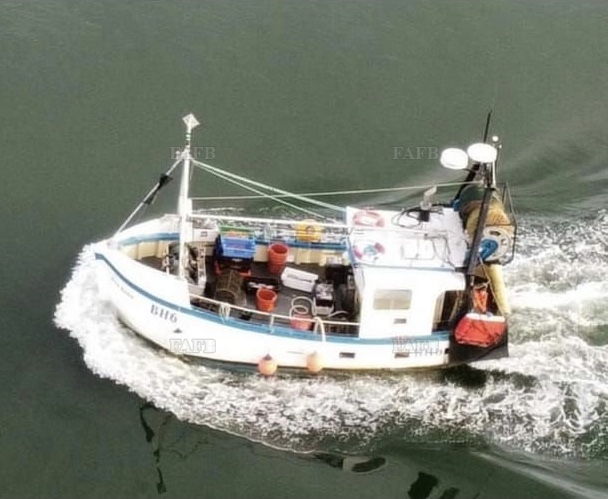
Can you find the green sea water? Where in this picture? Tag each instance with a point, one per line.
(306, 95)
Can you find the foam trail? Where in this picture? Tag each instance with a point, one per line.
(550, 396)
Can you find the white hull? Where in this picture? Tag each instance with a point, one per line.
(156, 305)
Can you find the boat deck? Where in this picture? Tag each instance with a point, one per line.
(285, 295)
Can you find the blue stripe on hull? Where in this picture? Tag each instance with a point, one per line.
(276, 330)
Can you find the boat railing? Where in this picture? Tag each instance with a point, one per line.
(334, 228)
(317, 325)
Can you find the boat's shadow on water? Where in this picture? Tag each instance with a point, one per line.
(396, 469)
(420, 488)
(170, 439)
(471, 377)
(155, 424)
(166, 435)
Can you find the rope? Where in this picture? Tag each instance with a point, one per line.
(262, 194)
(224, 310)
(338, 193)
(282, 192)
(320, 327)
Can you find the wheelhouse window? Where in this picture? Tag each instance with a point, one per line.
(392, 299)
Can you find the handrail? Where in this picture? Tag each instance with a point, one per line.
(347, 229)
(270, 315)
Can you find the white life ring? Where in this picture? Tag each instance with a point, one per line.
(368, 218)
(368, 251)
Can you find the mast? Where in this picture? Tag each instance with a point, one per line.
(476, 166)
(184, 205)
(488, 169)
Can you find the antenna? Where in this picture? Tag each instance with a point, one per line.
(426, 205)
(191, 123)
(487, 128)
(475, 168)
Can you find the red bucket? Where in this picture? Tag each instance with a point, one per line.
(265, 299)
(302, 322)
(277, 257)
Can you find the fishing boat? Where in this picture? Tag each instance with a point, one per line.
(347, 288)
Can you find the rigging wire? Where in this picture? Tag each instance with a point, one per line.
(213, 169)
(261, 194)
(336, 193)
(147, 200)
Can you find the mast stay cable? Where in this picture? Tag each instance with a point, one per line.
(149, 198)
(340, 193)
(213, 169)
(261, 194)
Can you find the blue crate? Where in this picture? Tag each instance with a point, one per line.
(236, 247)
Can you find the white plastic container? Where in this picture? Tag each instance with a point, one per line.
(298, 279)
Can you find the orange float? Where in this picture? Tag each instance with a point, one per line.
(314, 363)
(267, 365)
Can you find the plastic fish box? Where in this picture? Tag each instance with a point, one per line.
(236, 247)
(299, 279)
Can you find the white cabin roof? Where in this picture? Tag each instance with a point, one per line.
(386, 238)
